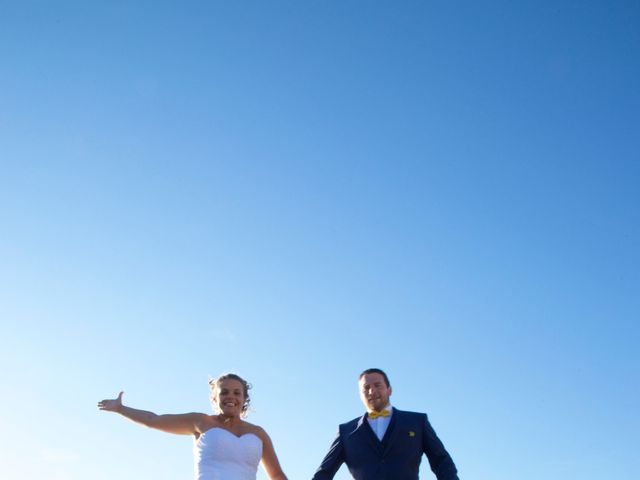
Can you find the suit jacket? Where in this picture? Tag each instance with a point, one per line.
(396, 457)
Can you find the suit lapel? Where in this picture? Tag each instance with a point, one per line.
(366, 433)
(392, 431)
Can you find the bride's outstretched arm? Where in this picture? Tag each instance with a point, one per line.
(181, 424)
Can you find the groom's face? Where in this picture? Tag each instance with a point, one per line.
(374, 391)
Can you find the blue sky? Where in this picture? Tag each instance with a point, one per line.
(297, 191)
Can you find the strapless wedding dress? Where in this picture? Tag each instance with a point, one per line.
(219, 455)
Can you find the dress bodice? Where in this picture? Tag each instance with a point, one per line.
(220, 455)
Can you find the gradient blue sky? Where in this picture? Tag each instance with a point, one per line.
(298, 190)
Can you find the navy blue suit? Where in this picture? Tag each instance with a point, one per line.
(396, 457)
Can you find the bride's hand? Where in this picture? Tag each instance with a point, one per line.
(113, 405)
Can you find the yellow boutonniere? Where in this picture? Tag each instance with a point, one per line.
(412, 433)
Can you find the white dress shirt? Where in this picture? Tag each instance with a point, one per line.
(379, 425)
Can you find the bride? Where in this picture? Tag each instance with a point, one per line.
(225, 446)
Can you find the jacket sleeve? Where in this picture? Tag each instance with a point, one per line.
(439, 459)
(332, 460)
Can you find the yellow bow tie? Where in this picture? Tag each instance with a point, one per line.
(383, 413)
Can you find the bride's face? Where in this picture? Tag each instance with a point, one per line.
(229, 398)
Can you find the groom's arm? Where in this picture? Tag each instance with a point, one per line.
(439, 459)
(332, 460)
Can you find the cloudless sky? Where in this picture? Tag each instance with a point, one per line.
(299, 190)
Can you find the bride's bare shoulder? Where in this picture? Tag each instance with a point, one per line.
(206, 422)
(256, 430)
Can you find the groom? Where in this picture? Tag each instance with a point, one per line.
(385, 443)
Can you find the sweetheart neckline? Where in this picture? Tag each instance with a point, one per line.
(230, 433)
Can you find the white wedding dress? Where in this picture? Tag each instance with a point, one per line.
(220, 455)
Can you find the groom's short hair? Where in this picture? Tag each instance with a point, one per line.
(375, 370)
